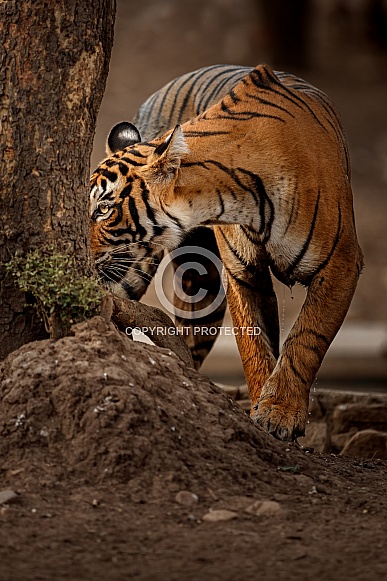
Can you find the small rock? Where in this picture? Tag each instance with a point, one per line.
(303, 480)
(7, 496)
(359, 416)
(219, 515)
(186, 498)
(367, 444)
(264, 507)
(316, 433)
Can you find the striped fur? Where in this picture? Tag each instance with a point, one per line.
(268, 167)
(179, 101)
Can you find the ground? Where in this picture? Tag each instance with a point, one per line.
(101, 436)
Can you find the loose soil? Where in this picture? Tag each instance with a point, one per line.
(100, 434)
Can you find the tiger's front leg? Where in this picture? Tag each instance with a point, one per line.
(252, 303)
(283, 406)
(207, 314)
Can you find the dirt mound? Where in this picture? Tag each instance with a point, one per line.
(117, 461)
(99, 406)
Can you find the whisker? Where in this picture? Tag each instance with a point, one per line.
(128, 245)
(105, 275)
(143, 275)
(126, 261)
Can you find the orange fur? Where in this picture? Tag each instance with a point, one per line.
(268, 167)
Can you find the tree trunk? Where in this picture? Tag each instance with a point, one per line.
(54, 59)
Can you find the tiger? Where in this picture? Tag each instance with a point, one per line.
(178, 101)
(267, 167)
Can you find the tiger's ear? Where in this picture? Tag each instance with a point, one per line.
(166, 158)
(122, 135)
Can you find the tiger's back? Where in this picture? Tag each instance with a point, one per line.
(185, 97)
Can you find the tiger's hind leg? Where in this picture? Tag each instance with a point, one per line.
(282, 409)
(201, 326)
(252, 303)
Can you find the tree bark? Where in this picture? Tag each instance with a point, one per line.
(54, 59)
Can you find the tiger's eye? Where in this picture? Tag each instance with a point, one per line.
(103, 208)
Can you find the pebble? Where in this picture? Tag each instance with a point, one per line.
(7, 496)
(303, 480)
(186, 498)
(219, 515)
(264, 507)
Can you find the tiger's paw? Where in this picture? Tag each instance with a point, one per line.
(283, 421)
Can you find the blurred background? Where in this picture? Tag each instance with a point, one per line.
(338, 45)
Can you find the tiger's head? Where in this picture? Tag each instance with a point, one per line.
(130, 224)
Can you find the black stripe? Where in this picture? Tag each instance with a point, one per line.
(109, 175)
(296, 372)
(258, 192)
(106, 197)
(108, 163)
(173, 218)
(221, 203)
(133, 151)
(194, 164)
(199, 74)
(204, 133)
(157, 228)
(116, 241)
(123, 168)
(294, 210)
(239, 75)
(249, 233)
(239, 280)
(168, 89)
(140, 230)
(142, 118)
(236, 254)
(256, 79)
(232, 173)
(327, 259)
(247, 116)
(131, 292)
(117, 220)
(234, 97)
(289, 357)
(145, 199)
(316, 334)
(294, 98)
(305, 246)
(209, 96)
(269, 103)
(264, 201)
(126, 191)
(130, 160)
(301, 100)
